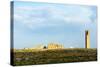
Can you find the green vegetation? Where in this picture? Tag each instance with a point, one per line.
(48, 56)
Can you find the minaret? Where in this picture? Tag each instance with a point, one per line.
(87, 39)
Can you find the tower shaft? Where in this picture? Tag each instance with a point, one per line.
(87, 39)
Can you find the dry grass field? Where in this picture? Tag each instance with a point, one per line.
(51, 56)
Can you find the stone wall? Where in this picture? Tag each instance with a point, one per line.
(55, 46)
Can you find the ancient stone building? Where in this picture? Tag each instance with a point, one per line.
(54, 46)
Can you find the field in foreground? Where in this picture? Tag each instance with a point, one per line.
(50, 56)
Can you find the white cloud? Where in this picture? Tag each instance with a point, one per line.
(77, 19)
(29, 22)
(30, 8)
(33, 16)
(80, 15)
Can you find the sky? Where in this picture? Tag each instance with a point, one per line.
(42, 23)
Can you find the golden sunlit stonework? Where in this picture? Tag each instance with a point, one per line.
(87, 39)
(50, 46)
(54, 46)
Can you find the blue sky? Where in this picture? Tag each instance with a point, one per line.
(42, 23)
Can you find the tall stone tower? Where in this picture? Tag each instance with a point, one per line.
(87, 39)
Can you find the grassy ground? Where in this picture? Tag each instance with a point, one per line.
(50, 56)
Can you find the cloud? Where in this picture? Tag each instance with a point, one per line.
(48, 15)
(74, 14)
(77, 19)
